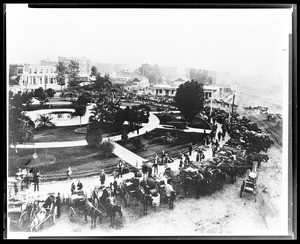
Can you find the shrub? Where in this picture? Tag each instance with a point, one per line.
(93, 135)
(107, 147)
(140, 143)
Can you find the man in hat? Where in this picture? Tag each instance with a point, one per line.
(79, 185)
(102, 177)
(120, 168)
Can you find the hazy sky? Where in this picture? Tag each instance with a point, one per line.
(244, 41)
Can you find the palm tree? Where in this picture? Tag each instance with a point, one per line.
(44, 121)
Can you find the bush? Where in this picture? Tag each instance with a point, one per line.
(107, 147)
(93, 135)
(140, 143)
(50, 92)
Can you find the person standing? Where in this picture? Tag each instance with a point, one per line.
(190, 149)
(79, 186)
(36, 180)
(69, 173)
(102, 177)
(181, 161)
(168, 189)
(73, 187)
(223, 134)
(120, 169)
(155, 165)
(58, 204)
(219, 135)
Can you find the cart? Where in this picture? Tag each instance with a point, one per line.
(76, 206)
(19, 212)
(40, 215)
(249, 185)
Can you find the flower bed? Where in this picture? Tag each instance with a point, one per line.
(81, 130)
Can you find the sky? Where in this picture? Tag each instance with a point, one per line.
(242, 41)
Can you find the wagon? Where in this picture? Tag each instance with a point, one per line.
(128, 189)
(76, 204)
(249, 185)
(19, 212)
(40, 215)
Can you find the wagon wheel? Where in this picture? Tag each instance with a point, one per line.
(71, 214)
(242, 189)
(126, 199)
(22, 220)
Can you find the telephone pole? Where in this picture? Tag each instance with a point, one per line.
(232, 106)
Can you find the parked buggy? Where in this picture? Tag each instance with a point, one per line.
(76, 205)
(43, 210)
(249, 185)
(19, 211)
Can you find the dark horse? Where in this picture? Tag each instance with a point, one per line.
(112, 208)
(107, 203)
(93, 212)
(145, 199)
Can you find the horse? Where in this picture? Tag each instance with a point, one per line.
(93, 212)
(145, 199)
(111, 209)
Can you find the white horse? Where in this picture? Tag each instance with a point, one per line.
(38, 220)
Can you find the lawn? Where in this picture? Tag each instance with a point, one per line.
(156, 145)
(66, 133)
(84, 161)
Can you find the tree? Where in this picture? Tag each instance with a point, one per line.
(94, 71)
(153, 73)
(199, 75)
(102, 84)
(107, 147)
(50, 92)
(39, 93)
(44, 121)
(80, 111)
(20, 126)
(189, 99)
(94, 135)
(73, 75)
(61, 70)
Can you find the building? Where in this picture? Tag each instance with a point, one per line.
(164, 90)
(30, 76)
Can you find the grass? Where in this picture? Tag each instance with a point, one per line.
(155, 146)
(66, 133)
(83, 161)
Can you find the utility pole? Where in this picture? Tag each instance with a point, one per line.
(232, 106)
(211, 97)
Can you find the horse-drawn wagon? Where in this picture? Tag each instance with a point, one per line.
(79, 206)
(249, 185)
(44, 209)
(19, 211)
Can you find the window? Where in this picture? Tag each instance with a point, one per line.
(160, 90)
(46, 79)
(41, 80)
(29, 71)
(20, 71)
(33, 80)
(41, 71)
(51, 70)
(35, 71)
(51, 80)
(46, 70)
